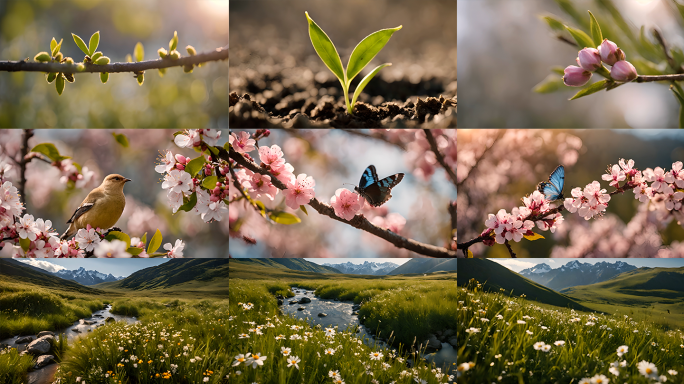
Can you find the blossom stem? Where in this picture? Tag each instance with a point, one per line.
(440, 158)
(510, 250)
(652, 78)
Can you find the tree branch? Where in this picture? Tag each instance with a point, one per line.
(359, 221)
(27, 134)
(440, 158)
(26, 66)
(499, 135)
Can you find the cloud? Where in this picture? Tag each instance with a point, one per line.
(46, 265)
(516, 265)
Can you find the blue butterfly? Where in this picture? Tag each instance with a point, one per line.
(553, 189)
(375, 191)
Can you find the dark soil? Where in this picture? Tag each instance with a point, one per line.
(327, 111)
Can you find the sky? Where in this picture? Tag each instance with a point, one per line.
(398, 261)
(117, 267)
(518, 265)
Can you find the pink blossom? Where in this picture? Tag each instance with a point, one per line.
(615, 176)
(623, 71)
(575, 76)
(572, 204)
(659, 178)
(550, 222)
(346, 203)
(177, 181)
(536, 202)
(112, 249)
(299, 191)
(283, 173)
(192, 139)
(261, 185)
(210, 136)
(243, 143)
(643, 192)
(273, 157)
(673, 200)
(628, 167)
(596, 195)
(87, 239)
(167, 163)
(26, 228)
(610, 53)
(589, 59)
(175, 251)
(678, 174)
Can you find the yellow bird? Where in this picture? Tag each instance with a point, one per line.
(102, 207)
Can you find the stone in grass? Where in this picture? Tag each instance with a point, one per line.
(43, 361)
(44, 333)
(23, 340)
(433, 344)
(40, 346)
(109, 319)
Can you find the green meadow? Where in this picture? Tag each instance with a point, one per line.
(400, 308)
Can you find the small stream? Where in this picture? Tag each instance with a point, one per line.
(339, 313)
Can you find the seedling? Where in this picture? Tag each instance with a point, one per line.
(364, 52)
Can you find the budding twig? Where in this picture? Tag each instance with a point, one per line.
(26, 66)
(440, 157)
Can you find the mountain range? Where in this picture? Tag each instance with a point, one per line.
(86, 277)
(425, 266)
(575, 273)
(367, 268)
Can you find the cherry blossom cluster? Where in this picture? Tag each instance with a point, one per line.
(517, 224)
(347, 204)
(72, 175)
(300, 188)
(182, 186)
(591, 59)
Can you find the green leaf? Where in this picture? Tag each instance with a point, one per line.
(104, 76)
(325, 48)
(141, 78)
(210, 182)
(53, 44)
(25, 244)
(121, 139)
(366, 50)
(595, 29)
(59, 84)
(51, 77)
(195, 165)
(116, 235)
(189, 203)
(48, 150)
(551, 83)
(583, 40)
(554, 23)
(284, 218)
(303, 208)
(139, 52)
(56, 49)
(364, 82)
(533, 236)
(143, 239)
(155, 243)
(96, 56)
(262, 207)
(597, 86)
(174, 42)
(213, 150)
(134, 251)
(42, 57)
(81, 44)
(94, 42)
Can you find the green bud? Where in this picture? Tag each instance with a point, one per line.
(80, 67)
(191, 50)
(43, 57)
(174, 55)
(104, 76)
(60, 84)
(69, 77)
(162, 72)
(69, 60)
(162, 53)
(129, 59)
(187, 68)
(59, 56)
(51, 77)
(96, 56)
(141, 78)
(174, 42)
(102, 60)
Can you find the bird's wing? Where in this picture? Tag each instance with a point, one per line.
(86, 205)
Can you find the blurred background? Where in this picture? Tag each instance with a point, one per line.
(510, 50)
(335, 157)
(196, 100)
(147, 207)
(271, 50)
(497, 168)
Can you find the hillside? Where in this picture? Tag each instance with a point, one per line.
(177, 275)
(294, 264)
(16, 272)
(494, 276)
(575, 273)
(425, 266)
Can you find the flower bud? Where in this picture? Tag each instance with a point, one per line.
(141, 78)
(162, 53)
(80, 67)
(187, 68)
(43, 57)
(162, 72)
(174, 55)
(180, 167)
(576, 76)
(59, 56)
(102, 60)
(610, 53)
(180, 158)
(69, 60)
(96, 56)
(191, 50)
(623, 71)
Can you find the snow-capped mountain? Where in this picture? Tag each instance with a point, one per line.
(84, 277)
(367, 268)
(575, 273)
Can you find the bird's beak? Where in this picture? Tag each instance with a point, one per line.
(127, 180)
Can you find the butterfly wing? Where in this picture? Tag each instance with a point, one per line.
(553, 189)
(380, 191)
(369, 177)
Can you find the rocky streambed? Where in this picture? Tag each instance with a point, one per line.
(41, 345)
(440, 347)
